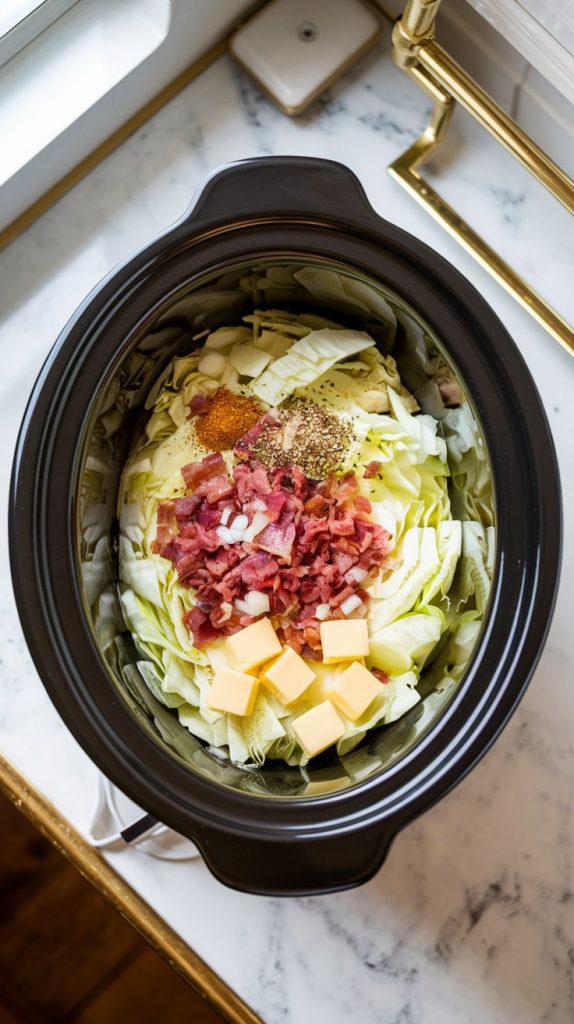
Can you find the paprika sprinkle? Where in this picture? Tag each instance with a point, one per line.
(223, 418)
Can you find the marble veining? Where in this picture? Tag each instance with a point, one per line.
(471, 918)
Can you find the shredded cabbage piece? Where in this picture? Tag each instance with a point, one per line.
(431, 493)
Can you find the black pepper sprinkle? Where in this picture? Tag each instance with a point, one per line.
(307, 436)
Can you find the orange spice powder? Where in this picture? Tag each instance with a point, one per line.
(225, 418)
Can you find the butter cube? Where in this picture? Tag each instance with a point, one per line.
(288, 676)
(354, 690)
(344, 640)
(253, 645)
(232, 691)
(318, 728)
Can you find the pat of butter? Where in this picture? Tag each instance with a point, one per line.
(344, 640)
(232, 691)
(318, 728)
(253, 645)
(354, 690)
(288, 676)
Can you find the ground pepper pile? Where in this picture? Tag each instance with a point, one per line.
(223, 417)
(304, 435)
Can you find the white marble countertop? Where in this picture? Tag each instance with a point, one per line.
(472, 917)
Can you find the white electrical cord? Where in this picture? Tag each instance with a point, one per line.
(142, 828)
(109, 830)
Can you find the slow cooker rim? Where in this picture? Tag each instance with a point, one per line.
(67, 340)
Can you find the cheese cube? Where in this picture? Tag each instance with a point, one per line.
(344, 640)
(253, 645)
(288, 676)
(232, 691)
(354, 690)
(318, 728)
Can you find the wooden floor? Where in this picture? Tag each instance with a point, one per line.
(66, 955)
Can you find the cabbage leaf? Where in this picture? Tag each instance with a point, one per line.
(431, 492)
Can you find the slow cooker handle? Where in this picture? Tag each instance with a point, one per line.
(281, 187)
(312, 190)
(292, 867)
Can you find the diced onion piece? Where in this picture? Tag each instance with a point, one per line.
(258, 523)
(227, 609)
(225, 515)
(241, 606)
(356, 574)
(237, 536)
(212, 364)
(239, 523)
(322, 612)
(350, 604)
(225, 535)
(257, 602)
(237, 528)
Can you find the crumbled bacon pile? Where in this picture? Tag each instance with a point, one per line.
(314, 548)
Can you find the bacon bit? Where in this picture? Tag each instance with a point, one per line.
(198, 623)
(381, 676)
(194, 472)
(299, 560)
(316, 506)
(166, 525)
(244, 446)
(342, 522)
(215, 488)
(207, 515)
(372, 469)
(363, 504)
(185, 508)
(277, 540)
(197, 405)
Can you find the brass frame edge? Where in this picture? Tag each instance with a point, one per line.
(92, 866)
(415, 50)
(80, 170)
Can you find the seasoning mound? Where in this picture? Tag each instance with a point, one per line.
(223, 417)
(304, 435)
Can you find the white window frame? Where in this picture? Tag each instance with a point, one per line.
(35, 18)
(56, 128)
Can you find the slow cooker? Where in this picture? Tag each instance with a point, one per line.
(276, 829)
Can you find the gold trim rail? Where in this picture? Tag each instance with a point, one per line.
(416, 51)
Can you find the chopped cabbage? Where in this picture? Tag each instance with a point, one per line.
(431, 493)
(306, 360)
